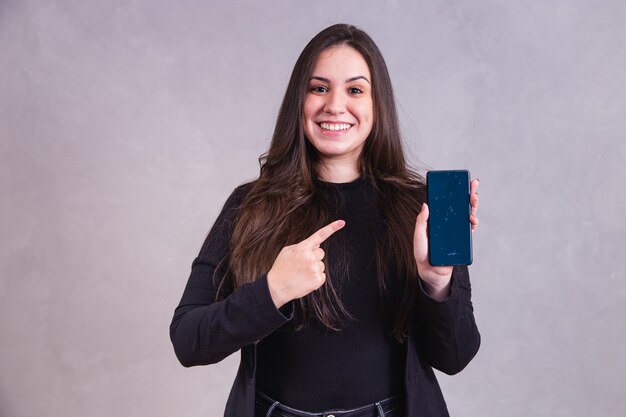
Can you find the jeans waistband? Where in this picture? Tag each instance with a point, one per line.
(272, 408)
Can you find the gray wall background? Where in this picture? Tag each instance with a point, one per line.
(124, 125)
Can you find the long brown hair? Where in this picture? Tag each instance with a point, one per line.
(284, 206)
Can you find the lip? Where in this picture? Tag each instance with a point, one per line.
(334, 122)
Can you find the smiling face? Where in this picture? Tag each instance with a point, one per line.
(338, 107)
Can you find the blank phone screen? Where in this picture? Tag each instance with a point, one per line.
(449, 228)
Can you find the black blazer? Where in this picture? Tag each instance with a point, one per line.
(444, 334)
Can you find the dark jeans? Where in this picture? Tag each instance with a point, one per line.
(390, 407)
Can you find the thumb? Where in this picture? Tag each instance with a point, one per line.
(420, 237)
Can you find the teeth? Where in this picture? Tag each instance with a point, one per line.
(335, 126)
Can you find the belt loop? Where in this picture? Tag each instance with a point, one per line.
(381, 412)
(271, 409)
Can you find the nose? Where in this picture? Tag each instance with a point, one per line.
(335, 103)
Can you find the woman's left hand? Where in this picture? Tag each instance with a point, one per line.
(437, 278)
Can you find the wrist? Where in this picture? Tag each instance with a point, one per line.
(278, 296)
(438, 292)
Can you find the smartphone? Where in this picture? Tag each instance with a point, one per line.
(449, 228)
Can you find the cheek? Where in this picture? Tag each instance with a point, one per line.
(366, 113)
(309, 108)
(308, 113)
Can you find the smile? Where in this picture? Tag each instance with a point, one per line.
(335, 126)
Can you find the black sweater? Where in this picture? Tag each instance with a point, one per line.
(316, 369)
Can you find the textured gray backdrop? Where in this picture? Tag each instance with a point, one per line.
(124, 125)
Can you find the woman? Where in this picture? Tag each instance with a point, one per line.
(318, 270)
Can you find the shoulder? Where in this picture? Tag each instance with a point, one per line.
(220, 233)
(410, 188)
(238, 195)
(242, 190)
(228, 214)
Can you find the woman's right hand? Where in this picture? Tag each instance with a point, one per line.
(299, 269)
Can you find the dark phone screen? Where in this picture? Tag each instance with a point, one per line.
(449, 228)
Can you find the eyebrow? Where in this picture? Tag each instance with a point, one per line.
(349, 80)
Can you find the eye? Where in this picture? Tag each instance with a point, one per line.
(320, 89)
(355, 90)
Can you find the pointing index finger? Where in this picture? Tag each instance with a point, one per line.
(324, 233)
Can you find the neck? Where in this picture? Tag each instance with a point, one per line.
(337, 171)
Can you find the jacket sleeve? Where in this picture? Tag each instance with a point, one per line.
(205, 331)
(446, 330)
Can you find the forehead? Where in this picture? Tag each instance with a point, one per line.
(341, 61)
